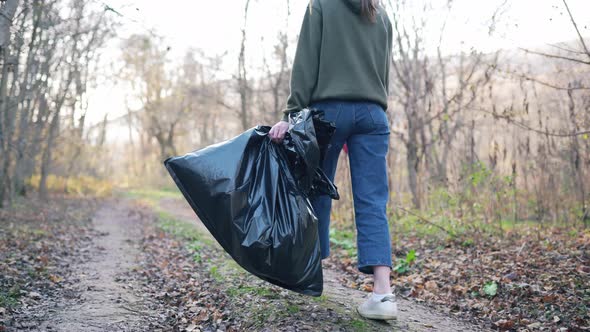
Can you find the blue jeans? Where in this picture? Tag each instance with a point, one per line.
(364, 127)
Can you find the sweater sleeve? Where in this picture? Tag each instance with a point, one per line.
(304, 74)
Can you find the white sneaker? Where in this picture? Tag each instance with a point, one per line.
(383, 309)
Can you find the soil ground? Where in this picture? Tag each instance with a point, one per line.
(134, 272)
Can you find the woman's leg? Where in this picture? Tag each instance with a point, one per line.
(322, 205)
(381, 280)
(368, 148)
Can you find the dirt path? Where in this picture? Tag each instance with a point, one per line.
(100, 299)
(103, 293)
(412, 316)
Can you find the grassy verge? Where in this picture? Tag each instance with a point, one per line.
(257, 303)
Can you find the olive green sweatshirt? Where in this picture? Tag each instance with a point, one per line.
(340, 55)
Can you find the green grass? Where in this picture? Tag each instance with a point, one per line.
(261, 317)
(9, 298)
(166, 221)
(468, 243)
(152, 195)
(460, 230)
(411, 224)
(214, 272)
(180, 228)
(321, 298)
(293, 308)
(359, 325)
(187, 231)
(38, 232)
(241, 290)
(344, 239)
(195, 247)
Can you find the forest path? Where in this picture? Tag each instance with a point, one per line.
(411, 317)
(104, 293)
(101, 300)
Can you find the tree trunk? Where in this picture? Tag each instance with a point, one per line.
(5, 131)
(7, 12)
(412, 163)
(27, 88)
(47, 154)
(243, 86)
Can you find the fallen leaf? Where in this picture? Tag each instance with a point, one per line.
(55, 278)
(34, 295)
(535, 325)
(431, 285)
(504, 324)
(368, 288)
(203, 316)
(459, 289)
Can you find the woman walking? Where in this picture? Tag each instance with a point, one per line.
(341, 66)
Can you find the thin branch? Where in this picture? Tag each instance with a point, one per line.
(226, 106)
(566, 49)
(527, 127)
(425, 220)
(577, 30)
(536, 80)
(554, 56)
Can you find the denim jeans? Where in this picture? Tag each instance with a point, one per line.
(364, 127)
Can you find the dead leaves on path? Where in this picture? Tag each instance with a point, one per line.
(515, 283)
(185, 298)
(202, 289)
(37, 242)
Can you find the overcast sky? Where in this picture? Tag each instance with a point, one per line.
(214, 26)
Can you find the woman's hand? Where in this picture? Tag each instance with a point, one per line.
(278, 131)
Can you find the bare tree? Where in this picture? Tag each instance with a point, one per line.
(7, 11)
(276, 81)
(575, 93)
(242, 77)
(44, 78)
(145, 70)
(433, 105)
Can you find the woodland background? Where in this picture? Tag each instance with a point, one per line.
(501, 136)
(484, 145)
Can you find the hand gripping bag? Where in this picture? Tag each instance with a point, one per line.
(253, 196)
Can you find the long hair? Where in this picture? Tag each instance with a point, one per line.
(369, 10)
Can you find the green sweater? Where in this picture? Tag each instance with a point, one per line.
(340, 55)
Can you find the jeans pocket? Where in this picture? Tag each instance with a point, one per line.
(331, 110)
(378, 116)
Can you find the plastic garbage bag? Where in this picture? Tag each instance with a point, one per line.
(253, 196)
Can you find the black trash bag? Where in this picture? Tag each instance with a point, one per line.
(253, 196)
